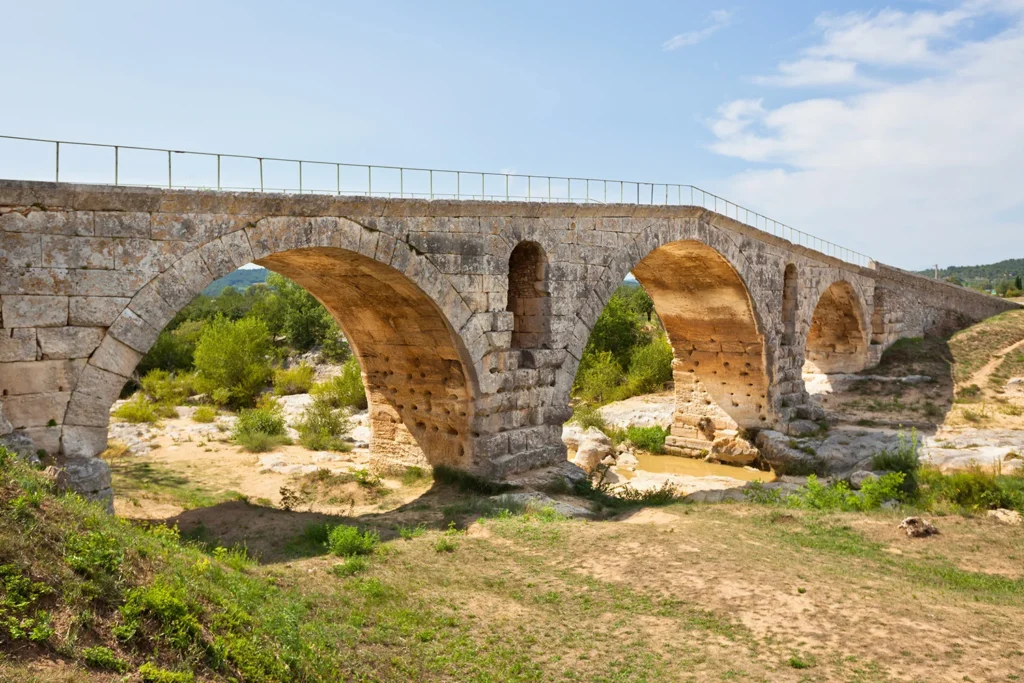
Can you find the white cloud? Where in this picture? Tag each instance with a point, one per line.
(716, 21)
(811, 72)
(924, 170)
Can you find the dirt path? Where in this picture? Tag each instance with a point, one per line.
(981, 376)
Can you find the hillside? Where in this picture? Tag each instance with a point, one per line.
(1002, 270)
(240, 279)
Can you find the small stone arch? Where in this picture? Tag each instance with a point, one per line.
(529, 296)
(400, 313)
(836, 340)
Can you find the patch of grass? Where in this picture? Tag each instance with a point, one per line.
(413, 476)
(151, 673)
(204, 414)
(295, 380)
(355, 564)
(650, 439)
(103, 658)
(345, 541)
(322, 427)
(410, 532)
(903, 458)
(137, 409)
(467, 482)
(446, 542)
(971, 490)
(587, 415)
(968, 394)
(976, 416)
(973, 347)
(262, 428)
(344, 390)
(136, 477)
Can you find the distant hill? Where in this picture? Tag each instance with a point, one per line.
(1004, 270)
(240, 280)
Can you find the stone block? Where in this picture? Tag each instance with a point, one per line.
(117, 283)
(116, 357)
(99, 311)
(39, 377)
(87, 411)
(122, 224)
(101, 384)
(44, 439)
(69, 342)
(18, 250)
(87, 475)
(36, 410)
(35, 281)
(35, 311)
(132, 330)
(62, 251)
(49, 222)
(17, 345)
(151, 256)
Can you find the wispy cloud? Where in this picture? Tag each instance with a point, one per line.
(716, 21)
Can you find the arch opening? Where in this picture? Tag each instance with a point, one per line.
(528, 296)
(418, 382)
(789, 304)
(836, 340)
(719, 368)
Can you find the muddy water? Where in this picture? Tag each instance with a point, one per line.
(674, 464)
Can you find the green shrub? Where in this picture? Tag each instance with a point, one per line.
(344, 390)
(151, 673)
(231, 360)
(598, 380)
(321, 427)
(586, 415)
(351, 566)
(104, 658)
(204, 414)
(650, 439)
(903, 458)
(874, 492)
(973, 490)
(137, 410)
(163, 387)
(262, 428)
(346, 541)
(650, 366)
(297, 380)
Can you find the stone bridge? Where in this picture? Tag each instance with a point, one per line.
(469, 318)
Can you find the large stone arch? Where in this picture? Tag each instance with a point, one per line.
(723, 368)
(400, 312)
(837, 335)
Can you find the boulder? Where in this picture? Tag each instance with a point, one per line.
(590, 454)
(777, 450)
(803, 428)
(534, 500)
(1006, 516)
(734, 450)
(627, 461)
(918, 527)
(858, 478)
(608, 460)
(595, 435)
(571, 435)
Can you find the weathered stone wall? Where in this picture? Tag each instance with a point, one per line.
(90, 275)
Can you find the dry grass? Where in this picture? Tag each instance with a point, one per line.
(974, 347)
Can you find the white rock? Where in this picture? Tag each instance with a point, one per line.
(627, 461)
(1005, 516)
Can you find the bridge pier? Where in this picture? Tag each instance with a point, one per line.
(469, 318)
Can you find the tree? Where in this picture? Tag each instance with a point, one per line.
(291, 311)
(231, 360)
(1017, 284)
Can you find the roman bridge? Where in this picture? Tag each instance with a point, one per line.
(469, 318)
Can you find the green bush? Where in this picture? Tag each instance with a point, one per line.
(297, 380)
(972, 490)
(904, 458)
(151, 673)
(204, 414)
(262, 428)
(351, 566)
(586, 415)
(346, 541)
(136, 410)
(231, 360)
(322, 427)
(166, 388)
(598, 380)
(650, 366)
(650, 439)
(344, 390)
(104, 658)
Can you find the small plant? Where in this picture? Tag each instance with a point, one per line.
(351, 566)
(151, 673)
(904, 458)
(414, 475)
(446, 543)
(586, 416)
(262, 428)
(367, 479)
(798, 662)
(204, 414)
(345, 541)
(321, 427)
(345, 390)
(100, 657)
(650, 439)
(410, 532)
(296, 380)
(137, 410)
(163, 387)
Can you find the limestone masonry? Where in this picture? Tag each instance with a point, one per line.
(469, 318)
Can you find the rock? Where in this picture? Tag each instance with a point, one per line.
(563, 474)
(571, 435)
(608, 460)
(590, 455)
(595, 435)
(734, 450)
(858, 478)
(21, 444)
(651, 410)
(777, 450)
(803, 428)
(917, 527)
(537, 500)
(5, 426)
(58, 478)
(627, 461)
(1005, 516)
(90, 478)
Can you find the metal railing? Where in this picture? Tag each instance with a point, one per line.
(263, 174)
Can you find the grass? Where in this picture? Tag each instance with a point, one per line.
(204, 414)
(261, 429)
(322, 427)
(296, 380)
(134, 478)
(975, 346)
(344, 390)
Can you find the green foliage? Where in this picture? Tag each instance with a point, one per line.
(972, 490)
(344, 390)
(262, 428)
(446, 542)
(599, 377)
(136, 410)
(346, 541)
(650, 439)
(650, 366)
(233, 356)
(353, 565)
(904, 459)
(586, 415)
(833, 497)
(618, 328)
(21, 614)
(303, 320)
(204, 414)
(100, 657)
(166, 388)
(151, 673)
(296, 380)
(322, 427)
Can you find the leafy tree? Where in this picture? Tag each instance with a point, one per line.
(616, 331)
(231, 360)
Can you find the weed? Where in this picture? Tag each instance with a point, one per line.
(410, 532)
(345, 541)
(136, 410)
(903, 458)
(446, 543)
(415, 475)
(586, 416)
(650, 439)
(352, 565)
(100, 657)
(262, 428)
(151, 673)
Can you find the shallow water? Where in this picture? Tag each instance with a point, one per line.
(674, 464)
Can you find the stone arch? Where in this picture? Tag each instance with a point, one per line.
(529, 296)
(399, 312)
(836, 339)
(790, 304)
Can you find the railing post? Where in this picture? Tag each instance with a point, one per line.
(401, 183)
(369, 181)
(431, 183)
(117, 154)
(337, 177)
(169, 183)
(549, 188)
(261, 174)
(506, 187)
(300, 177)
(218, 171)
(458, 185)
(483, 187)
(529, 188)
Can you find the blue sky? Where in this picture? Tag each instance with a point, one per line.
(892, 129)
